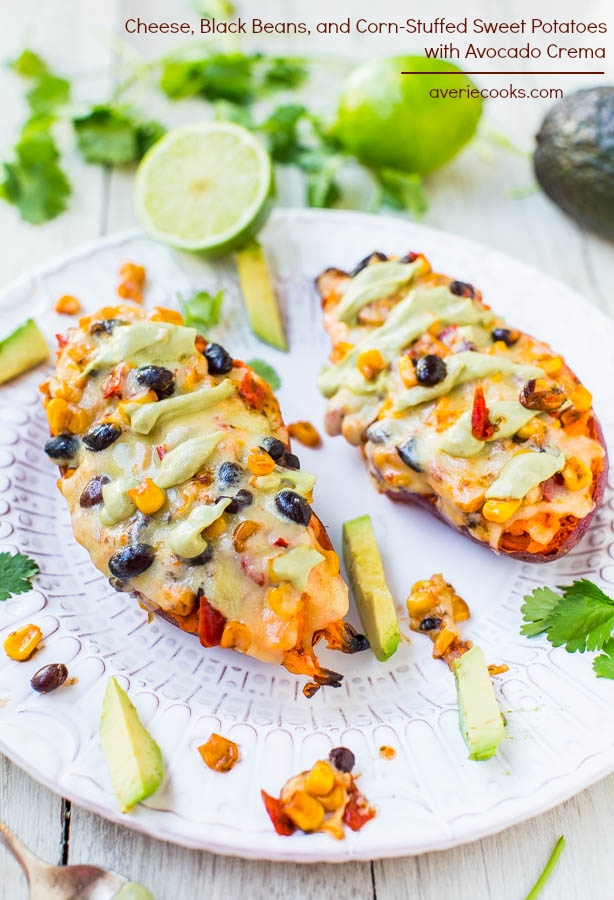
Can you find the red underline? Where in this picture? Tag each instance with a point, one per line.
(502, 73)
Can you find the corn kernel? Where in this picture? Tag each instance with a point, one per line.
(419, 602)
(58, 415)
(161, 314)
(132, 282)
(305, 434)
(581, 398)
(191, 378)
(67, 305)
(148, 497)
(219, 753)
(331, 563)
(551, 365)
(242, 534)
(21, 644)
(236, 636)
(370, 363)
(259, 462)
(533, 428)
(443, 641)
(576, 474)
(340, 351)
(65, 391)
(216, 528)
(284, 601)
(407, 371)
(335, 800)
(306, 812)
(500, 511)
(79, 421)
(460, 609)
(320, 780)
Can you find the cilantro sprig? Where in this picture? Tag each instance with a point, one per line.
(266, 371)
(16, 572)
(579, 616)
(202, 310)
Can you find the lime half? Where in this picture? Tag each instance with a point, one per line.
(205, 187)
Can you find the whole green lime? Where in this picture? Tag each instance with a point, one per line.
(406, 122)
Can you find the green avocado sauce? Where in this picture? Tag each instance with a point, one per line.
(522, 473)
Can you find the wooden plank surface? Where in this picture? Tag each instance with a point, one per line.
(470, 197)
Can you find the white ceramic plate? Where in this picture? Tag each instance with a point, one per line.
(560, 728)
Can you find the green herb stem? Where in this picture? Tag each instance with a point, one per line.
(548, 869)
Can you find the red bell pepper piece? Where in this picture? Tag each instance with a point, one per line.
(481, 427)
(282, 823)
(211, 624)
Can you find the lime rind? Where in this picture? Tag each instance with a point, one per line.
(205, 187)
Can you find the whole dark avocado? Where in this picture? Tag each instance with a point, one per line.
(574, 158)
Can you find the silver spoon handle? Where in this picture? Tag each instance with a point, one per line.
(26, 859)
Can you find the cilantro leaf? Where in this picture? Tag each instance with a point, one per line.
(583, 619)
(16, 570)
(29, 65)
(218, 9)
(402, 191)
(49, 93)
(537, 610)
(226, 111)
(603, 664)
(284, 73)
(202, 310)
(111, 136)
(280, 131)
(218, 76)
(33, 181)
(266, 371)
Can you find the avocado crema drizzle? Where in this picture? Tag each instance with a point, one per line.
(165, 423)
(397, 423)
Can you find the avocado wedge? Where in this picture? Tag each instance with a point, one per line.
(22, 350)
(133, 757)
(366, 573)
(259, 296)
(574, 158)
(480, 719)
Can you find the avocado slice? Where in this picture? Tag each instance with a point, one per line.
(480, 719)
(21, 350)
(259, 296)
(133, 757)
(132, 890)
(574, 158)
(366, 573)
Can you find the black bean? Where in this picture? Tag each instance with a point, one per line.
(274, 447)
(430, 370)
(219, 360)
(294, 507)
(202, 558)
(378, 433)
(462, 289)
(229, 473)
(91, 495)
(376, 255)
(429, 623)
(240, 500)
(99, 437)
(62, 448)
(507, 335)
(409, 257)
(408, 451)
(131, 560)
(49, 678)
(342, 759)
(104, 326)
(290, 461)
(159, 379)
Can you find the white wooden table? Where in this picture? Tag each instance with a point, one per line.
(470, 197)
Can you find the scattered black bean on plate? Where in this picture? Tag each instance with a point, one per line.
(342, 759)
(430, 370)
(158, 379)
(229, 473)
(131, 560)
(274, 447)
(62, 447)
(49, 678)
(429, 623)
(294, 507)
(91, 495)
(99, 437)
(219, 359)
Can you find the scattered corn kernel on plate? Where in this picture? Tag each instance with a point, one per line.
(399, 717)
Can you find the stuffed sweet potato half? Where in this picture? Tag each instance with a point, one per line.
(484, 425)
(176, 467)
